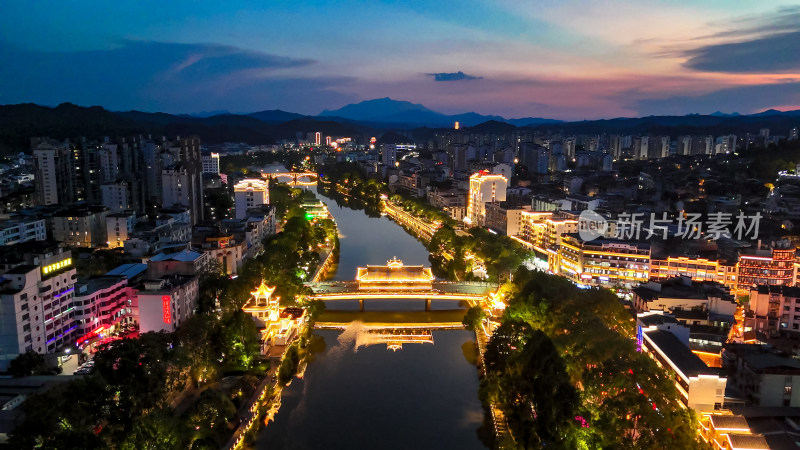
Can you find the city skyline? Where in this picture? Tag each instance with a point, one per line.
(563, 60)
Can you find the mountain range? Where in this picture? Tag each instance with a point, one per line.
(18, 123)
(388, 111)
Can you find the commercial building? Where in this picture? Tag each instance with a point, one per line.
(166, 302)
(484, 188)
(81, 226)
(250, 193)
(773, 265)
(723, 430)
(698, 269)
(36, 295)
(603, 262)
(102, 304)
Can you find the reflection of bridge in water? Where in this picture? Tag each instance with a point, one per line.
(294, 177)
(393, 328)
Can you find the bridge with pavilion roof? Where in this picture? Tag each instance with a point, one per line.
(396, 280)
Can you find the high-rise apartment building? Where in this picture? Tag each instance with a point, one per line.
(484, 188)
(182, 177)
(211, 163)
(55, 170)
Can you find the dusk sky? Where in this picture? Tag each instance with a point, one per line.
(555, 58)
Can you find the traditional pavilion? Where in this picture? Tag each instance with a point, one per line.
(395, 276)
(277, 325)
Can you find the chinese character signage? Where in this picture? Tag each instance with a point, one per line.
(165, 307)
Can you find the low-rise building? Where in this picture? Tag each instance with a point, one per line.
(185, 262)
(764, 376)
(723, 430)
(14, 231)
(166, 302)
(682, 294)
(700, 387)
(119, 227)
(453, 202)
(774, 310)
(103, 304)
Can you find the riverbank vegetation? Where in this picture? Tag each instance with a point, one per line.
(455, 254)
(182, 389)
(564, 368)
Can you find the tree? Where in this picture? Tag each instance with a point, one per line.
(155, 431)
(28, 363)
(474, 317)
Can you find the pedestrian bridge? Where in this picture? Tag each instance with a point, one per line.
(294, 178)
(473, 293)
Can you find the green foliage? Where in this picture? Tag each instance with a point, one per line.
(157, 430)
(474, 317)
(594, 353)
(289, 365)
(28, 363)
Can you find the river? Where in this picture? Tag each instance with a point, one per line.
(423, 396)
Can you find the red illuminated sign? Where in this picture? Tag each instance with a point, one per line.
(165, 307)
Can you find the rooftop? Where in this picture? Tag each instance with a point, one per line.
(678, 353)
(129, 270)
(682, 287)
(395, 272)
(186, 255)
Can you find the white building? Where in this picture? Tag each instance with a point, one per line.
(165, 303)
(81, 227)
(211, 163)
(36, 304)
(176, 187)
(116, 196)
(700, 387)
(16, 231)
(250, 193)
(119, 227)
(484, 188)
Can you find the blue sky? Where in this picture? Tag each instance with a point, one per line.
(560, 59)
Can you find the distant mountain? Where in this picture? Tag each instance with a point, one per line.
(775, 112)
(204, 114)
(406, 114)
(722, 114)
(275, 116)
(529, 121)
(372, 110)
